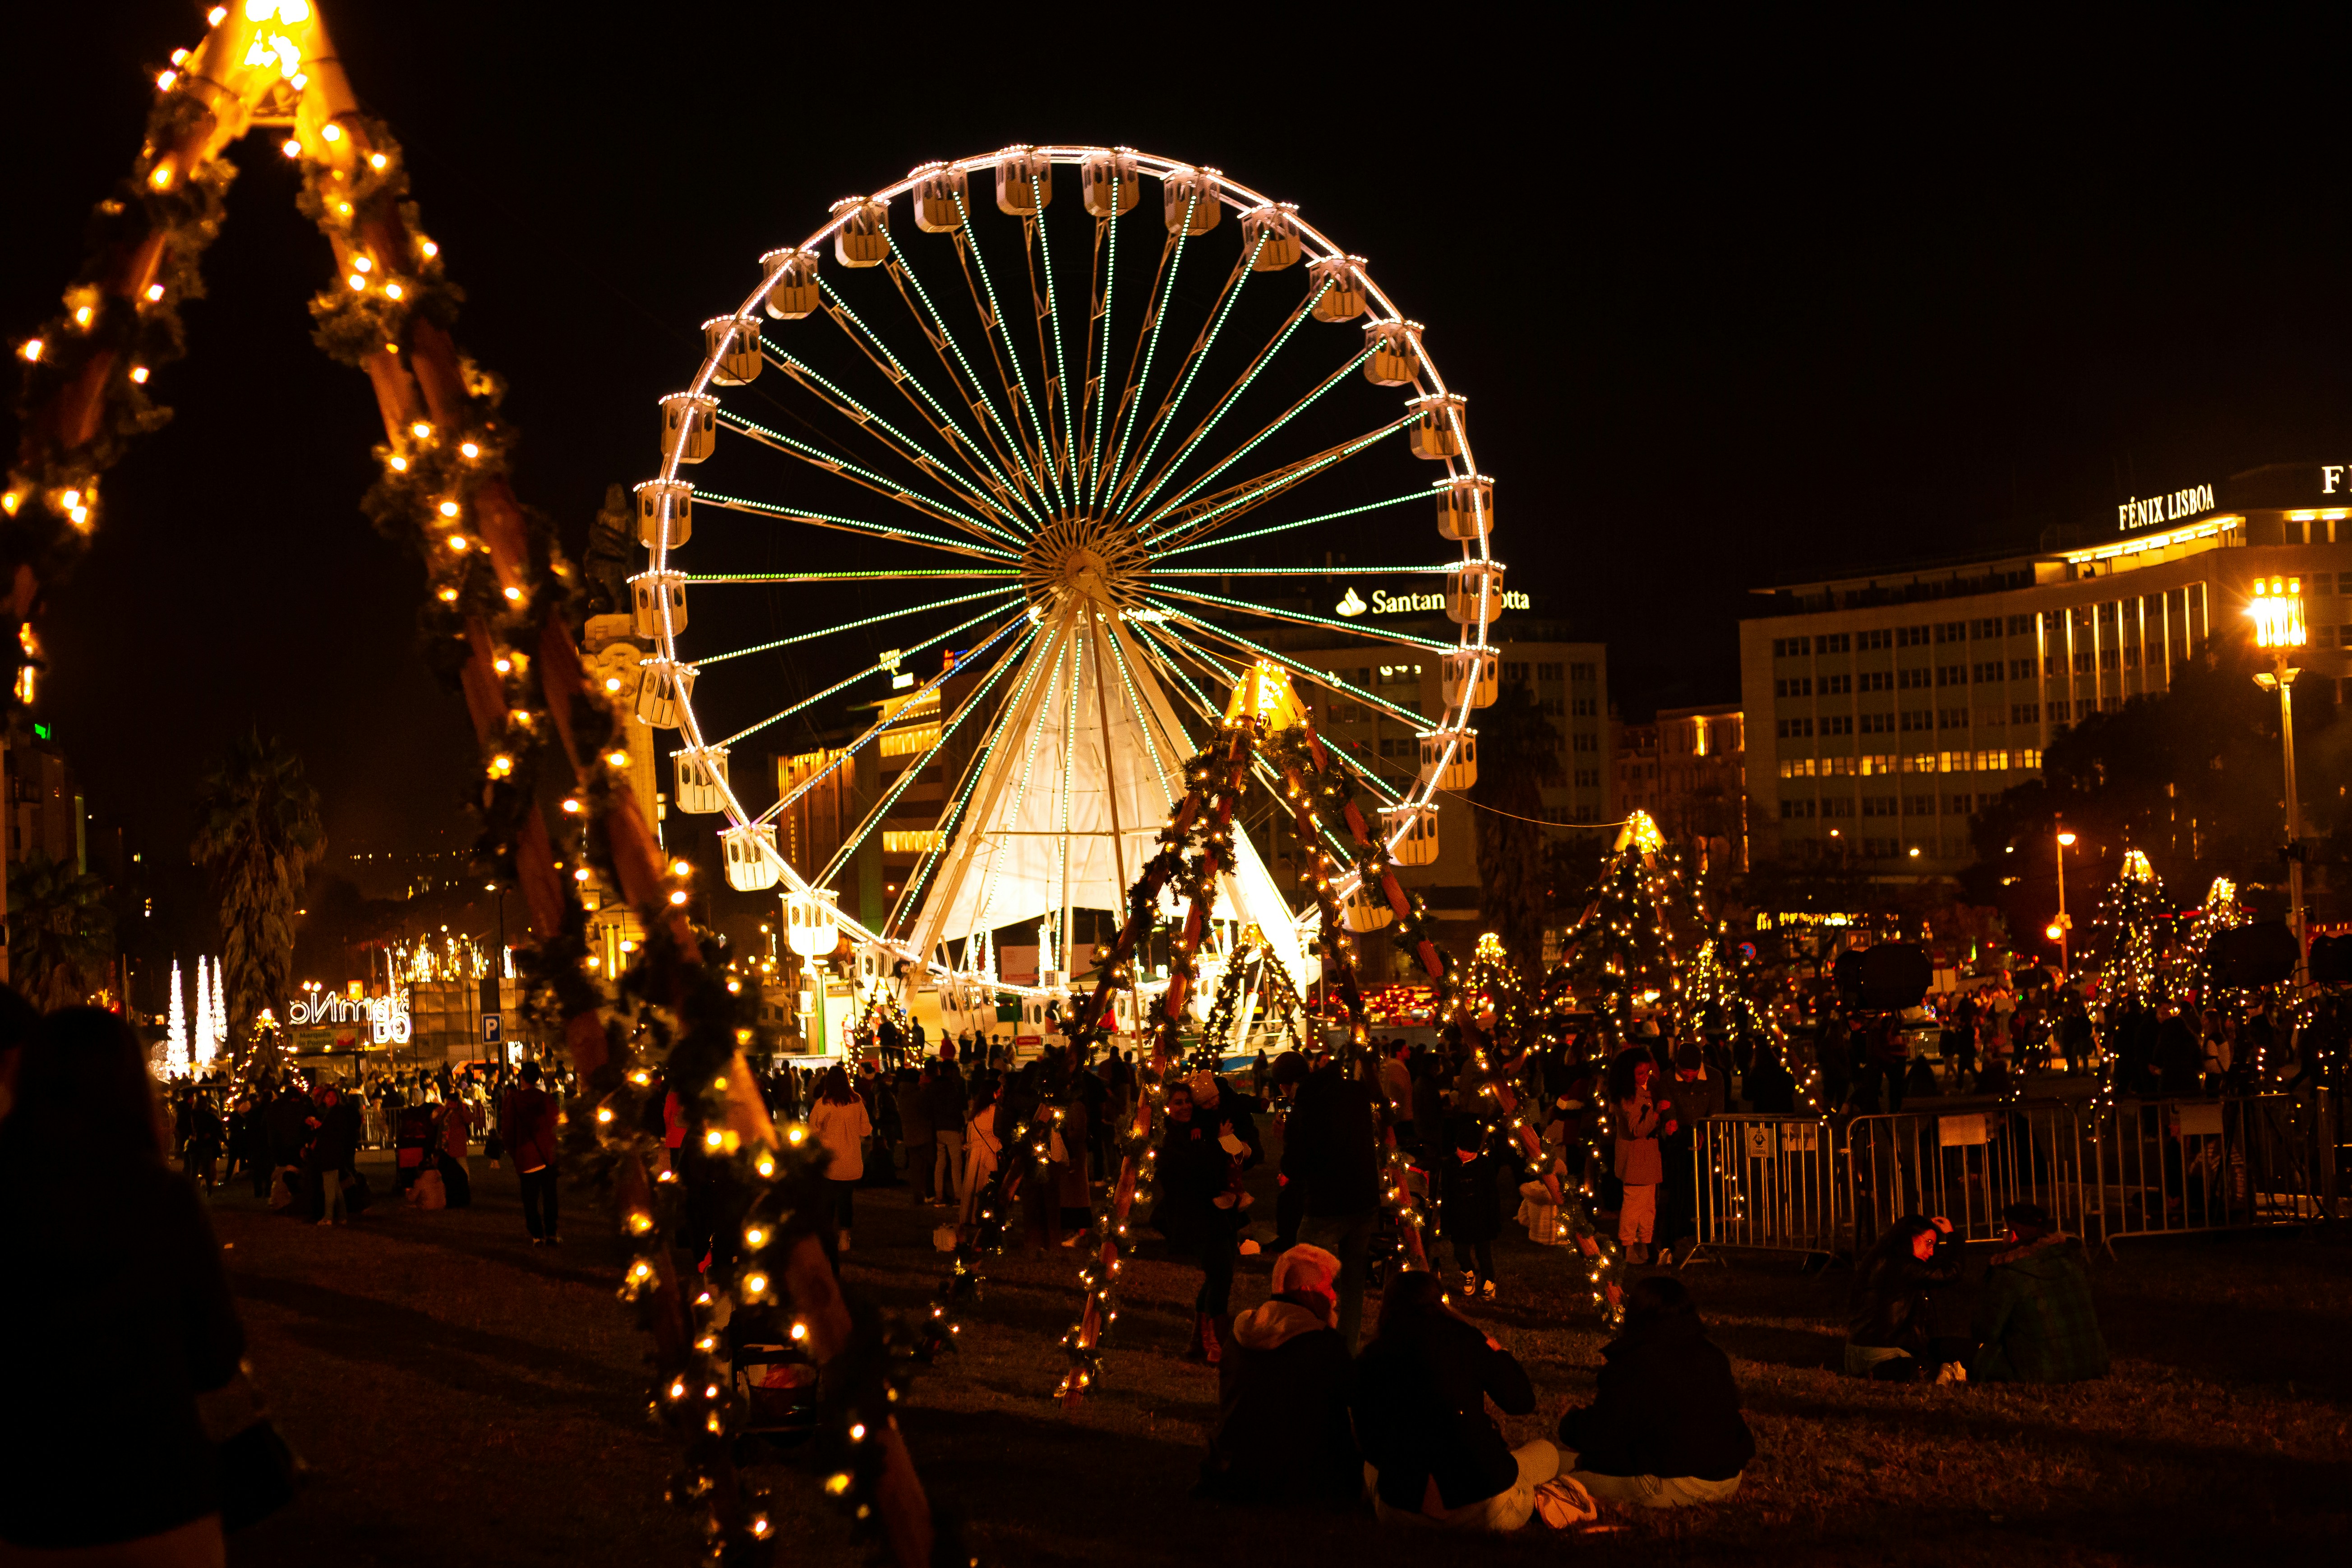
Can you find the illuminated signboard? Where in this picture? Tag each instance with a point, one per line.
(387, 1016)
(1383, 603)
(2194, 502)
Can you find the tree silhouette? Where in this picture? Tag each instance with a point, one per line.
(260, 836)
(60, 932)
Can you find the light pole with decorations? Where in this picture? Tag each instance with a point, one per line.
(2277, 611)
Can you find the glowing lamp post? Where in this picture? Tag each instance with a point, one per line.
(2277, 612)
(2064, 923)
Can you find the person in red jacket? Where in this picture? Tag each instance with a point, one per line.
(531, 1135)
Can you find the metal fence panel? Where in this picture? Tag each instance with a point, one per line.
(1966, 1165)
(2169, 1167)
(1767, 1183)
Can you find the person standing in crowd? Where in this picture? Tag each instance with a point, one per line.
(1331, 1147)
(201, 1159)
(1432, 1454)
(1767, 1086)
(1469, 1208)
(1639, 1164)
(1198, 1211)
(838, 1122)
(943, 1107)
(107, 1247)
(1665, 1427)
(333, 1150)
(2034, 1319)
(1283, 1392)
(530, 1136)
(1896, 1329)
(983, 1148)
(915, 1127)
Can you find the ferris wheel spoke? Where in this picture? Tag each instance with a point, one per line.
(1017, 395)
(852, 625)
(976, 452)
(1241, 383)
(1299, 617)
(889, 489)
(1205, 543)
(920, 575)
(852, 525)
(909, 896)
(1320, 678)
(855, 746)
(967, 380)
(1181, 745)
(894, 440)
(1098, 319)
(1130, 397)
(845, 684)
(1211, 512)
(913, 771)
(1194, 357)
(1175, 504)
(1059, 389)
(1035, 733)
(1419, 570)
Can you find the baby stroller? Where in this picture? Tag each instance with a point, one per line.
(774, 1376)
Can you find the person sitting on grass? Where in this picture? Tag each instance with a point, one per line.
(1664, 1428)
(2034, 1321)
(1899, 1288)
(1283, 1392)
(1431, 1451)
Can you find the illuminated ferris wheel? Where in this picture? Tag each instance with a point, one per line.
(1038, 454)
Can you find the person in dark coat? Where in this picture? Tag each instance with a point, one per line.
(915, 1126)
(1332, 1148)
(530, 1137)
(1469, 1209)
(1895, 1331)
(1664, 1428)
(1767, 1086)
(944, 1099)
(1431, 1451)
(1200, 1214)
(2180, 1060)
(334, 1146)
(1283, 1392)
(118, 1314)
(2034, 1315)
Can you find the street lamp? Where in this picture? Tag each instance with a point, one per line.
(2064, 923)
(2277, 612)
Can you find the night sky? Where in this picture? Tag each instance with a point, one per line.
(1730, 305)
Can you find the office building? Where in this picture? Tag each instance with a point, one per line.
(1688, 769)
(1891, 705)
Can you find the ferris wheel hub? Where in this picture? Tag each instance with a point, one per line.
(1086, 559)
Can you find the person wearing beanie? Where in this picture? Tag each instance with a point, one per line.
(1283, 1393)
(2034, 1318)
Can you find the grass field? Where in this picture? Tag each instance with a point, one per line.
(465, 1399)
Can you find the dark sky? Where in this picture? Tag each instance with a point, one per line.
(1731, 302)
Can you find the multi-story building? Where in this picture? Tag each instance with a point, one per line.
(1892, 704)
(46, 813)
(1689, 770)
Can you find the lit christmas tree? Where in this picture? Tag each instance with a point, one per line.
(2184, 966)
(1623, 954)
(1715, 994)
(204, 1013)
(220, 1011)
(1489, 993)
(176, 1039)
(2129, 931)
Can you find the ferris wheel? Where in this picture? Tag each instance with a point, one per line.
(1039, 453)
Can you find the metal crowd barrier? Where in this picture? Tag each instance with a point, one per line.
(2169, 1167)
(1767, 1184)
(2105, 1171)
(1966, 1165)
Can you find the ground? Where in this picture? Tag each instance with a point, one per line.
(465, 1399)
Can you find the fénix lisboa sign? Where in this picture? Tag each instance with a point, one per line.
(1383, 603)
(2194, 502)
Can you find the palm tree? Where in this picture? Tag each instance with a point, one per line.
(260, 836)
(1518, 754)
(60, 932)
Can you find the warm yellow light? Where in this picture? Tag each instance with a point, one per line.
(457, 541)
(32, 350)
(503, 666)
(513, 595)
(362, 264)
(162, 178)
(430, 248)
(681, 869)
(677, 896)
(217, 15)
(448, 508)
(138, 375)
(618, 759)
(420, 430)
(2065, 838)
(2277, 612)
(448, 595)
(755, 1285)
(82, 316)
(713, 1139)
(756, 1236)
(470, 449)
(292, 148)
(612, 683)
(377, 160)
(154, 293)
(2053, 933)
(332, 132)
(572, 805)
(400, 465)
(581, 875)
(357, 282)
(502, 766)
(164, 83)
(392, 290)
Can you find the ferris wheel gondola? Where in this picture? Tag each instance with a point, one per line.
(1041, 492)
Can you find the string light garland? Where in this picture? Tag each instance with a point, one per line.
(2129, 931)
(1280, 997)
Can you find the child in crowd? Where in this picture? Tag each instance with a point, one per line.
(1469, 1212)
